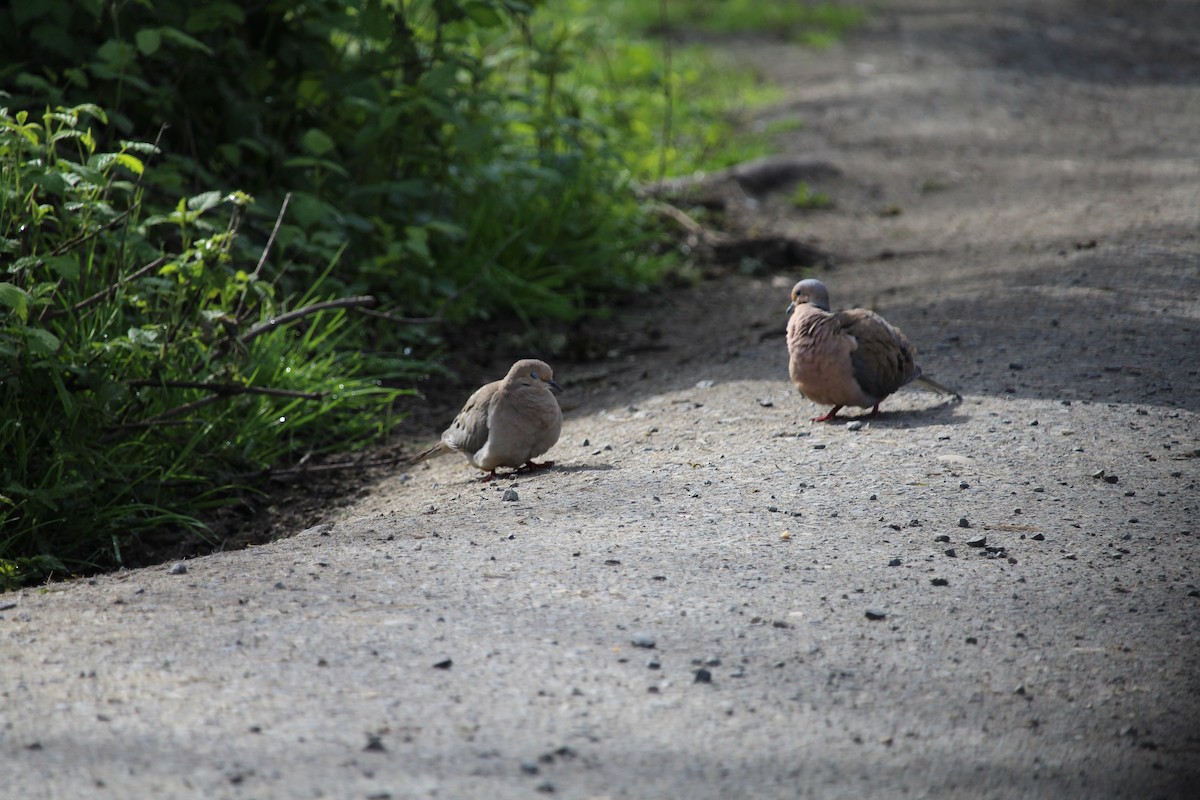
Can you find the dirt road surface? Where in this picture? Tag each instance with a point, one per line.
(709, 596)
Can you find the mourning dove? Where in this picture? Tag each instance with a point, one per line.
(847, 358)
(506, 423)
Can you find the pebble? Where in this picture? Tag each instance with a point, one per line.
(964, 485)
(939, 581)
(963, 522)
(952, 553)
(643, 640)
(703, 676)
(705, 384)
(445, 663)
(178, 568)
(895, 562)
(1111, 479)
(510, 495)
(977, 541)
(855, 425)
(942, 537)
(653, 663)
(529, 768)
(1038, 537)
(875, 614)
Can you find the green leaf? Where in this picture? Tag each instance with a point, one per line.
(317, 142)
(42, 342)
(181, 38)
(484, 15)
(148, 41)
(15, 298)
(203, 202)
(66, 266)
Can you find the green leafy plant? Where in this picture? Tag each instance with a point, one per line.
(145, 375)
(803, 197)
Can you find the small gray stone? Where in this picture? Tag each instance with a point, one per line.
(876, 614)
(510, 495)
(855, 425)
(643, 640)
(895, 562)
(939, 581)
(977, 541)
(703, 676)
(1038, 537)
(178, 568)
(963, 522)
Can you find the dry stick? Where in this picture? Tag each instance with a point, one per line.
(174, 412)
(226, 388)
(401, 320)
(291, 316)
(83, 237)
(287, 198)
(321, 468)
(262, 259)
(107, 292)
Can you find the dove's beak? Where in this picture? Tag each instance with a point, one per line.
(554, 386)
(791, 308)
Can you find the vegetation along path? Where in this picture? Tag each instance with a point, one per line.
(709, 596)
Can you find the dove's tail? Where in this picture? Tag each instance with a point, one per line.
(937, 387)
(439, 449)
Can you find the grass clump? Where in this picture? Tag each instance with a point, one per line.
(146, 374)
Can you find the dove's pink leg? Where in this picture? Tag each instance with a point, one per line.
(489, 476)
(828, 417)
(874, 411)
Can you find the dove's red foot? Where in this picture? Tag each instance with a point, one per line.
(489, 476)
(829, 417)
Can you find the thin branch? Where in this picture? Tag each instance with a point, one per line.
(292, 316)
(436, 318)
(83, 237)
(227, 388)
(321, 468)
(287, 198)
(107, 292)
(174, 412)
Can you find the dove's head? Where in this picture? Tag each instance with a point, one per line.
(810, 291)
(532, 369)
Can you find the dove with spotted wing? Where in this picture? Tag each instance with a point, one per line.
(847, 358)
(506, 423)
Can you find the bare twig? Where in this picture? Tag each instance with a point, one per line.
(227, 388)
(166, 415)
(107, 292)
(292, 316)
(436, 318)
(322, 468)
(287, 198)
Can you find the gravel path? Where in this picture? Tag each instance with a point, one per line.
(710, 597)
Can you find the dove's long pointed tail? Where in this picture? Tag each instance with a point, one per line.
(439, 449)
(937, 387)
